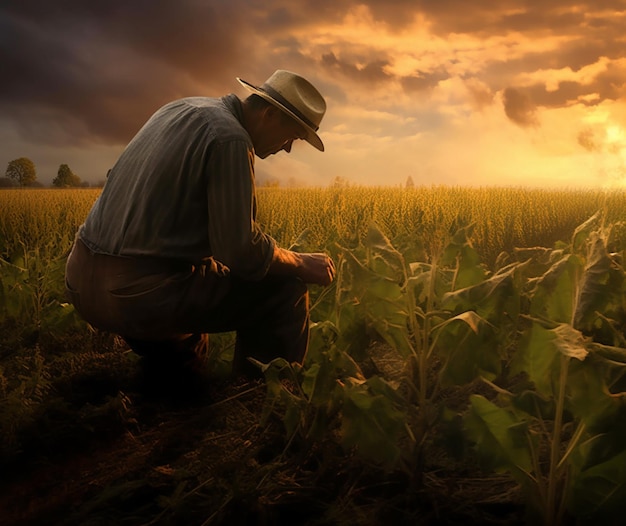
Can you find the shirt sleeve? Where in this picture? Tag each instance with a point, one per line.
(235, 237)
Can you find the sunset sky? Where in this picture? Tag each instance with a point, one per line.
(454, 92)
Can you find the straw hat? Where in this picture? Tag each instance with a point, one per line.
(297, 97)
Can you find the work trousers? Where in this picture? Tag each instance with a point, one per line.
(162, 306)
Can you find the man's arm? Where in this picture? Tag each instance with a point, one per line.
(315, 268)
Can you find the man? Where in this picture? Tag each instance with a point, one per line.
(171, 250)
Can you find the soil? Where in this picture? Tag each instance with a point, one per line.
(206, 459)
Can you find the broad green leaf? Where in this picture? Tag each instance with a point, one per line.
(380, 287)
(554, 295)
(582, 233)
(601, 285)
(531, 403)
(390, 320)
(600, 490)
(538, 357)
(588, 397)
(272, 372)
(395, 334)
(422, 279)
(492, 299)
(469, 347)
(352, 332)
(61, 316)
(311, 374)
(461, 255)
(499, 437)
(354, 277)
(372, 422)
(323, 335)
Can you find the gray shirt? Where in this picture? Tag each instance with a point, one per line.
(184, 189)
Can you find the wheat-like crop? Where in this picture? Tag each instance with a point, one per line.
(503, 218)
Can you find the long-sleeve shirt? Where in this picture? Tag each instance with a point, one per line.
(184, 189)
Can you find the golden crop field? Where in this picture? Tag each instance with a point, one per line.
(437, 349)
(504, 217)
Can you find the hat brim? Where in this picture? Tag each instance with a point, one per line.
(312, 137)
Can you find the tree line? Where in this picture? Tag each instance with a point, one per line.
(22, 173)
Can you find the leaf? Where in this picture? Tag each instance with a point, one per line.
(302, 242)
(599, 491)
(553, 297)
(608, 352)
(469, 345)
(493, 298)
(372, 422)
(582, 233)
(421, 279)
(601, 285)
(588, 397)
(460, 254)
(570, 342)
(387, 261)
(537, 356)
(499, 437)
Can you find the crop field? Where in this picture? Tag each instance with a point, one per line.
(467, 366)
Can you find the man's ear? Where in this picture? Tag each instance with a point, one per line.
(272, 112)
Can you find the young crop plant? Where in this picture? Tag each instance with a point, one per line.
(437, 323)
(444, 317)
(559, 427)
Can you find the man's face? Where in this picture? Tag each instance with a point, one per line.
(279, 133)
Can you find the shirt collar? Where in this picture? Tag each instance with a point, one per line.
(233, 103)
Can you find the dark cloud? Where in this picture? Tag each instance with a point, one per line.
(519, 108)
(587, 140)
(498, 17)
(95, 71)
(371, 72)
(92, 71)
(423, 80)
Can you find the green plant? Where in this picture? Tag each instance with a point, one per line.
(554, 428)
(32, 297)
(417, 309)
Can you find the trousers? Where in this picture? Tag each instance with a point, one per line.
(159, 306)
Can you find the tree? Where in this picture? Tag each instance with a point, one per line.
(340, 182)
(66, 178)
(409, 182)
(5, 182)
(22, 171)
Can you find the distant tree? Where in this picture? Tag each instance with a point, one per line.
(271, 182)
(22, 171)
(66, 178)
(340, 182)
(409, 182)
(5, 182)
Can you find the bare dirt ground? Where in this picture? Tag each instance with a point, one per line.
(206, 460)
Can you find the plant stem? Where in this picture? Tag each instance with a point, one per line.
(553, 475)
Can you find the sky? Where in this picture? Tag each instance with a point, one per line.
(509, 93)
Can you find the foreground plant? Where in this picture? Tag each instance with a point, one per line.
(558, 429)
(438, 322)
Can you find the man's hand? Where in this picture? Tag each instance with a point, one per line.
(317, 268)
(314, 268)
